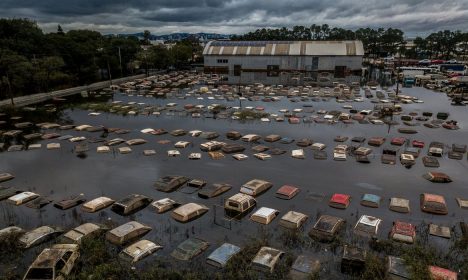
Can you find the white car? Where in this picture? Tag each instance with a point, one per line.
(22, 198)
(139, 250)
(425, 61)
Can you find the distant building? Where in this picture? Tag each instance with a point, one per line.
(284, 62)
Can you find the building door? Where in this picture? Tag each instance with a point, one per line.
(340, 71)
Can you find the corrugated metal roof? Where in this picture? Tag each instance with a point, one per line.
(266, 48)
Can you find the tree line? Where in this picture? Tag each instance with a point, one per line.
(377, 42)
(32, 61)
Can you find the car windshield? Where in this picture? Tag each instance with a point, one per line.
(325, 226)
(167, 179)
(40, 273)
(365, 228)
(233, 204)
(210, 188)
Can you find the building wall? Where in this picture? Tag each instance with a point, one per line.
(254, 68)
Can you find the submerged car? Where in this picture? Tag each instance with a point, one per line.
(131, 204)
(189, 249)
(388, 156)
(397, 269)
(53, 263)
(371, 200)
(403, 232)
(164, 205)
(304, 267)
(211, 146)
(367, 226)
(353, 260)
(127, 232)
(22, 198)
(287, 192)
(251, 138)
(437, 177)
(192, 186)
(188, 212)
(70, 202)
(97, 204)
(255, 187)
(264, 215)
(399, 204)
(266, 259)
(233, 135)
(326, 228)
(5, 177)
(232, 148)
(83, 231)
(220, 257)
(139, 250)
(239, 204)
(38, 235)
(170, 183)
(214, 190)
(340, 201)
(293, 220)
(433, 203)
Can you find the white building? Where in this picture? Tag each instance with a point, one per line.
(284, 62)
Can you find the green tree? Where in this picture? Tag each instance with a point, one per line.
(180, 54)
(60, 30)
(146, 37)
(15, 72)
(46, 68)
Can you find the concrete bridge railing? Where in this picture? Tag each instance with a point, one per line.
(41, 97)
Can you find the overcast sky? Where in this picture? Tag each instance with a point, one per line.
(415, 17)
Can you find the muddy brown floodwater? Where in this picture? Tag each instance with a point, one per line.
(60, 173)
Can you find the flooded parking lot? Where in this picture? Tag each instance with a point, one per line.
(60, 173)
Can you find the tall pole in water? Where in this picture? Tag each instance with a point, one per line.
(238, 89)
(109, 72)
(398, 72)
(120, 62)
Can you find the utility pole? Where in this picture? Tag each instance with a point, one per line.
(239, 93)
(398, 73)
(120, 62)
(109, 72)
(9, 90)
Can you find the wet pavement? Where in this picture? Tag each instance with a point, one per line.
(60, 173)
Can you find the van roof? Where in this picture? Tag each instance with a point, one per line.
(240, 197)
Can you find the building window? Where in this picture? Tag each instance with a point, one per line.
(223, 61)
(237, 70)
(272, 70)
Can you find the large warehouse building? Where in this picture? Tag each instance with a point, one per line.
(284, 62)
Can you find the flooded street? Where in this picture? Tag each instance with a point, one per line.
(58, 174)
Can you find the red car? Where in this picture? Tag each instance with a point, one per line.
(340, 201)
(294, 120)
(418, 143)
(437, 61)
(286, 192)
(398, 141)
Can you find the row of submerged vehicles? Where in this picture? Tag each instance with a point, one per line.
(56, 262)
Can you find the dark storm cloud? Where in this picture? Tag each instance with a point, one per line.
(237, 16)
